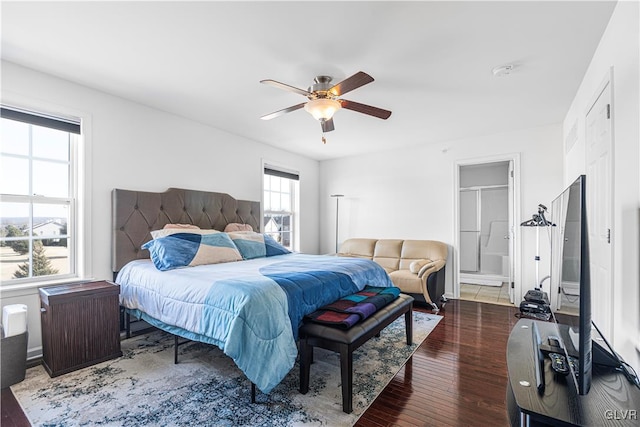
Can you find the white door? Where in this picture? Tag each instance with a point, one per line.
(598, 186)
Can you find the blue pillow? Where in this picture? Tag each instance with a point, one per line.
(190, 249)
(249, 243)
(274, 248)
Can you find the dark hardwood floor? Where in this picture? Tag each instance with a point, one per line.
(457, 377)
(12, 415)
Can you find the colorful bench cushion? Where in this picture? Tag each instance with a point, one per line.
(347, 311)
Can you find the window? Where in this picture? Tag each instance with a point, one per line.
(38, 198)
(280, 206)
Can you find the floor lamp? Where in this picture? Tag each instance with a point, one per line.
(538, 220)
(337, 197)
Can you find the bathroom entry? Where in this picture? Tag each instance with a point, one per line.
(485, 226)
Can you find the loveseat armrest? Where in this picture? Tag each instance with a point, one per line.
(435, 284)
(431, 267)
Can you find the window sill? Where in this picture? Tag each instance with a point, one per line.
(29, 286)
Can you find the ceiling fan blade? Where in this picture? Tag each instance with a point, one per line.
(327, 125)
(365, 109)
(282, 112)
(350, 83)
(286, 87)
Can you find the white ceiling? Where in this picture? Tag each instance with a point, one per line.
(431, 62)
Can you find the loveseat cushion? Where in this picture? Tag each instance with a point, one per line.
(359, 248)
(407, 281)
(387, 253)
(422, 249)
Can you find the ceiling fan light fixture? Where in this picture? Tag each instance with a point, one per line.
(322, 108)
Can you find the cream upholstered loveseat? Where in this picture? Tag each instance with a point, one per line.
(415, 266)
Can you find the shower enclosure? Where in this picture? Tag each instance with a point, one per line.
(485, 227)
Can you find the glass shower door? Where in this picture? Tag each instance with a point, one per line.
(469, 231)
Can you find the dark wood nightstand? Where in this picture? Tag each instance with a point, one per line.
(80, 325)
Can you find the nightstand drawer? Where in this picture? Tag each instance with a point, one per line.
(80, 325)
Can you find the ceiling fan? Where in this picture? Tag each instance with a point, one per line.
(323, 99)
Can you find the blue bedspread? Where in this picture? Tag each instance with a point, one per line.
(250, 309)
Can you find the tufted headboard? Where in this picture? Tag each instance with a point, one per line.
(136, 213)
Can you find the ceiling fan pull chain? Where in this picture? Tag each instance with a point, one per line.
(324, 140)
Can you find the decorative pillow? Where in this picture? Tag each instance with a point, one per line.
(274, 248)
(235, 226)
(182, 226)
(191, 249)
(416, 265)
(156, 234)
(249, 243)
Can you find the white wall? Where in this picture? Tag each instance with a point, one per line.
(619, 49)
(141, 148)
(409, 193)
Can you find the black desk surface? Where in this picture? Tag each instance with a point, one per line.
(612, 400)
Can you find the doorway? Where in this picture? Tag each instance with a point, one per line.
(599, 189)
(485, 231)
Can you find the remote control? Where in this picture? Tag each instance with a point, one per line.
(554, 341)
(573, 362)
(559, 363)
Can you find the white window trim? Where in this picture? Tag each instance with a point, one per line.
(82, 184)
(295, 201)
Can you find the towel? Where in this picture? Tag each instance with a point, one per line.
(347, 311)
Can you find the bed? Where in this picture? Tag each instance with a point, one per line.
(251, 308)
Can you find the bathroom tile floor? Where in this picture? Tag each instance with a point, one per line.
(490, 294)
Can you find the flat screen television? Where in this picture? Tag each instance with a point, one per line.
(570, 273)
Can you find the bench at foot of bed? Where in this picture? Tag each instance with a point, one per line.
(347, 341)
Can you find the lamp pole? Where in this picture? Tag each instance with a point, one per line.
(337, 197)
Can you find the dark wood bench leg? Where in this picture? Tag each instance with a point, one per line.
(346, 351)
(408, 323)
(346, 372)
(306, 352)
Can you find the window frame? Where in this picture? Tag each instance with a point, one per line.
(78, 199)
(294, 194)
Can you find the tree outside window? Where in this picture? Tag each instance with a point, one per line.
(37, 196)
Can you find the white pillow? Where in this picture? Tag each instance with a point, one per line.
(416, 265)
(235, 226)
(156, 234)
(182, 226)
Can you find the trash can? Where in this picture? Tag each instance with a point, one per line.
(13, 365)
(13, 344)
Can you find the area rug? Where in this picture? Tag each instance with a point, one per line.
(145, 388)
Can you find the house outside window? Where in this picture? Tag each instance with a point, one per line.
(38, 196)
(281, 206)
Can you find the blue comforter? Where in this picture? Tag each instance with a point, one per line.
(250, 309)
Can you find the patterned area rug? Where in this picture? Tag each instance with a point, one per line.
(145, 388)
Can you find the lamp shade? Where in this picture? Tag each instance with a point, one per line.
(322, 108)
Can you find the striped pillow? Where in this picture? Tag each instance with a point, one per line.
(191, 249)
(249, 243)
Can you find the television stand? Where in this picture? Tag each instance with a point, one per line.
(612, 400)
